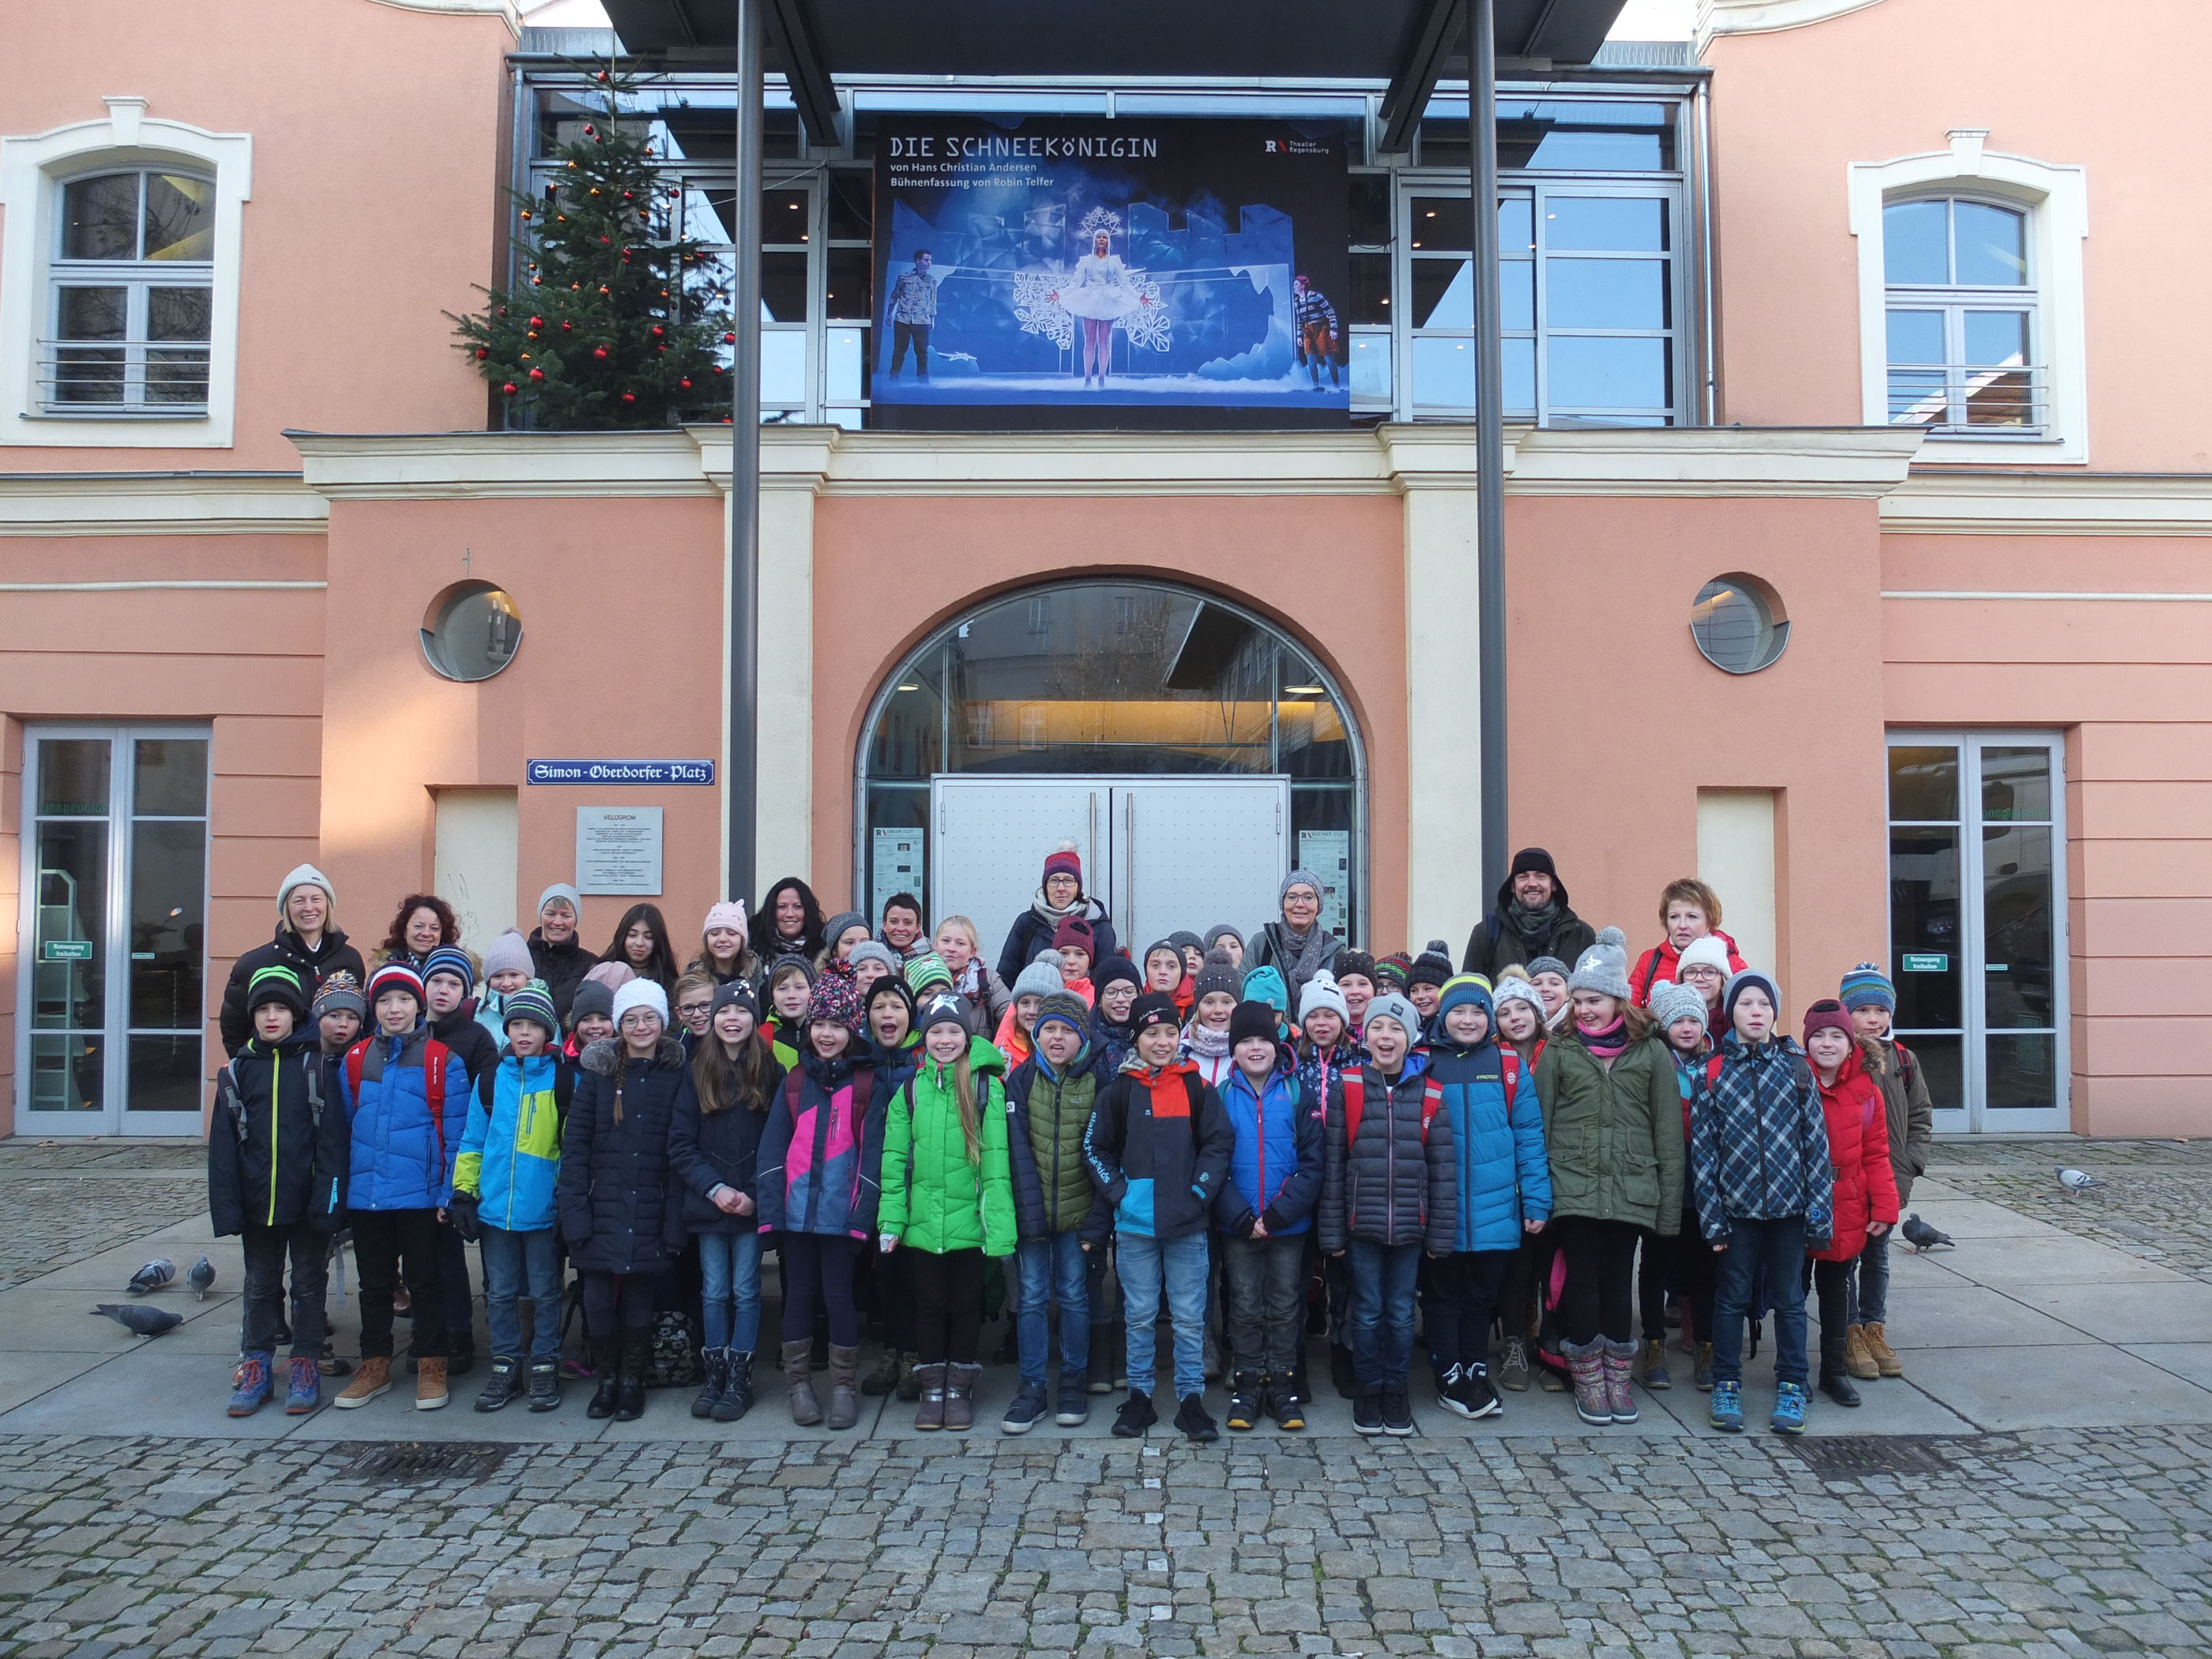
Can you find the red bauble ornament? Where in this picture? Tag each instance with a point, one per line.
(658, 330)
(510, 388)
(483, 352)
(589, 132)
(629, 195)
(729, 339)
(629, 396)
(599, 351)
(603, 288)
(537, 322)
(567, 328)
(536, 373)
(686, 384)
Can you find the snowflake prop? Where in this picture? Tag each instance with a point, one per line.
(1100, 219)
(1037, 309)
(1147, 326)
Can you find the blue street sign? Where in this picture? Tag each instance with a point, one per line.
(619, 771)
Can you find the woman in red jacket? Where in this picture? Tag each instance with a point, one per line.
(1866, 1190)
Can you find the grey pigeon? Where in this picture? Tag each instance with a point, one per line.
(2076, 1181)
(140, 1321)
(153, 1276)
(201, 1278)
(1922, 1236)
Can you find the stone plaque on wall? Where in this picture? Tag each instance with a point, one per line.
(618, 849)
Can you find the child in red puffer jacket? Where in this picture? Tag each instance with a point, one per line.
(1865, 1204)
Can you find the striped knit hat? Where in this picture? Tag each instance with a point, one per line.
(451, 959)
(1866, 987)
(276, 983)
(1394, 970)
(534, 1001)
(926, 971)
(395, 976)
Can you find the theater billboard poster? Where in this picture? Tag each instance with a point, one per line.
(1071, 271)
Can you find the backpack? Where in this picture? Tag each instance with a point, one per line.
(864, 1089)
(234, 1102)
(435, 1056)
(564, 1083)
(1355, 1103)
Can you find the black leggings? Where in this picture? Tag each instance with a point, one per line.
(948, 1304)
(822, 1263)
(618, 1301)
(1686, 1263)
(1598, 1299)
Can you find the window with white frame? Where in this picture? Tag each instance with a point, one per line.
(1960, 316)
(131, 294)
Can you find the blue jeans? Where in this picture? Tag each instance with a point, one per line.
(517, 1265)
(1874, 1280)
(1053, 1269)
(1381, 1322)
(1780, 1247)
(1142, 1262)
(729, 1289)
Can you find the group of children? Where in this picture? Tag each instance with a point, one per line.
(1407, 1150)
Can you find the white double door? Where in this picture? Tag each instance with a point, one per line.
(1160, 853)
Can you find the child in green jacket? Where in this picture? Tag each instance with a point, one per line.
(948, 1195)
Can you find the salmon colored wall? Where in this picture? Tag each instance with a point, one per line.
(2131, 685)
(1793, 109)
(620, 657)
(250, 663)
(376, 137)
(1330, 569)
(1617, 720)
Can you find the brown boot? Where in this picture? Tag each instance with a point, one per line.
(373, 1378)
(799, 1382)
(430, 1383)
(1887, 1363)
(1858, 1358)
(844, 1387)
(930, 1412)
(960, 1397)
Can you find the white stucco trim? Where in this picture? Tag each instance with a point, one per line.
(30, 167)
(505, 10)
(2057, 197)
(159, 504)
(1983, 503)
(1717, 17)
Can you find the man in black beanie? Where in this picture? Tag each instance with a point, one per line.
(1530, 918)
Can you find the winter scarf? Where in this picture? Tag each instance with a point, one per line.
(1053, 914)
(1206, 1043)
(1533, 927)
(1608, 1043)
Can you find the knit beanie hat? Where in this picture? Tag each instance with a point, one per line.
(1738, 983)
(728, 913)
(1350, 962)
(1535, 859)
(1068, 1008)
(1113, 971)
(1075, 931)
(454, 960)
(1184, 939)
(341, 993)
(305, 875)
(834, 1002)
(1266, 985)
(950, 1009)
(612, 975)
(1062, 861)
(593, 996)
(891, 985)
(1706, 952)
(785, 967)
(1433, 966)
(1300, 878)
(1322, 991)
(1218, 974)
(872, 951)
(1671, 1002)
(395, 976)
(533, 1002)
(1604, 967)
(1866, 987)
(1392, 1006)
(642, 994)
(1221, 931)
(1828, 1015)
(1463, 989)
(509, 954)
(1514, 988)
(562, 890)
(1396, 969)
(1041, 977)
(926, 971)
(1251, 1019)
(1549, 965)
(1153, 1008)
(276, 983)
(839, 925)
(739, 991)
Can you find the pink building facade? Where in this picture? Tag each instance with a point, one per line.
(1907, 455)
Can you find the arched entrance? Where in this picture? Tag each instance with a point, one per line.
(1190, 748)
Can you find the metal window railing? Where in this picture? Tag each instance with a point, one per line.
(122, 377)
(1984, 400)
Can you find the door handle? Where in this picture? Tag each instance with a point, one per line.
(1128, 866)
(1090, 853)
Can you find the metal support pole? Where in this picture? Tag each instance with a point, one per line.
(742, 781)
(1488, 438)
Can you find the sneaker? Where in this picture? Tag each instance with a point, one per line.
(1513, 1366)
(1652, 1370)
(545, 1385)
(1367, 1411)
(373, 1378)
(1030, 1407)
(1193, 1420)
(305, 1393)
(1135, 1416)
(1074, 1401)
(1553, 1382)
(1704, 1364)
(1289, 1408)
(1789, 1403)
(252, 1385)
(1244, 1401)
(1474, 1397)
(1397, 1411)
(431, 1393)
(1447, 1391)
(504, 1385)
(1838, 1387)
(1726, 1411)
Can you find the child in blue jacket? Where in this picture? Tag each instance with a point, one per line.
(1504, 1189)
(503, 1191)
(1265, 1210)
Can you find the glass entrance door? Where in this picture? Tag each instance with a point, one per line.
(113, 1003)
(1977, 923)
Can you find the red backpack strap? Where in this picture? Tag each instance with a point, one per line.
(434, 1055)
(864, 1091)
(1508, 1070)
(1713, 1068)
(352, 1057)
(1355, 1103)
(1433, 1102)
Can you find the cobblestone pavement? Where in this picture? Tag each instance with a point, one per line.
(2153, 1200)
(60, 1201)
(2058, 1543)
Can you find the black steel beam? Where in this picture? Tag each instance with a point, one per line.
(791, 34)
(741, 746)
(1489, 441)
(1435, 32)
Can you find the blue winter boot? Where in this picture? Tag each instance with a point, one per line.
(252, 1385)
(1727, 1413)
(1789, 1408)
(305, 1392)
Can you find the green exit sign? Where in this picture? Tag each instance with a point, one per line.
(1932, 962)
(66, 949)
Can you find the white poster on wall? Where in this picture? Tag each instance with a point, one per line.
(1328, 854)
(618, 849)
(897, 868)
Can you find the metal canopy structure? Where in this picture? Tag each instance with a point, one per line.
(1405, 46)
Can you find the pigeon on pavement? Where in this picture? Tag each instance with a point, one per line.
(140, 1321)
(201, 1278)
(2076, 1181)
(1922, 1236)
(153, 1276)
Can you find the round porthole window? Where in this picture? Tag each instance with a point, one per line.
(1738, 624)
(471, 631)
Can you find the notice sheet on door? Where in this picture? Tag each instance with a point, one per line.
(897, 868)
(1328, 854)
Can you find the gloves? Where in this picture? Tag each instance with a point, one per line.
(463, 1212)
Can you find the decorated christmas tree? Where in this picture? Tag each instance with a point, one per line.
(614, 320)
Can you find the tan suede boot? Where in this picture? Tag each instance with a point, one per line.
(430, 1383)
(1858, 1358)
(373, 1378)
(1877, 1347)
